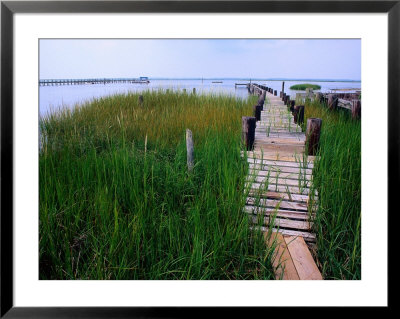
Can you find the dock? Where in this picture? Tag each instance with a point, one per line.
(52, 82)
(281, 201)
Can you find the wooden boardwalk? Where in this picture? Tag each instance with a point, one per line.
(279, 185)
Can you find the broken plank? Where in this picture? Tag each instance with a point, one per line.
(282, 262)
(302, 259)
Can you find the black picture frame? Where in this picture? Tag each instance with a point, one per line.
(9, 8)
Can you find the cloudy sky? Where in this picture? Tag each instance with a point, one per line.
(305, 59)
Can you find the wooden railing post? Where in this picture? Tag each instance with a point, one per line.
(194, 90)
(140, 99)
(261, 99)
(356, 109)
(287, 97)
(283, 86)
(298, 114)
(275, 92)
(257, 111)
(291, 105)
(248, 131)
(332, 101)
(313, 133)
(319, 97)
(189, 150)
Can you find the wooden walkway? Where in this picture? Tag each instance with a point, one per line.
(279, 181)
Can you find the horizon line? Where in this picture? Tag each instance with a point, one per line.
(215, 78)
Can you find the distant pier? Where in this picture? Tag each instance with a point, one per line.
(51, 82)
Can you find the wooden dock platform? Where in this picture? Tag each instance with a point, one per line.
(53, 82)
(280, 193)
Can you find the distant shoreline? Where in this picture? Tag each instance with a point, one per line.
(230, 79)
(259, 79)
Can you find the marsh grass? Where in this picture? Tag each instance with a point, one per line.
(116, 201)
(303, 87)
(337, 177)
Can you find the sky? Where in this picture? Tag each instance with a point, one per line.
(197, 58)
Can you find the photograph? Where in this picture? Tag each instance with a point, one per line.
(199, 158)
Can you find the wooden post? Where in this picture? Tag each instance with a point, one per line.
(257, 111)
(356, 109)
(248, 131)
(332, 102)
(140, 100)
(287, 97)
(189, 150)
(283, 86)
(194, 90)
(313, 133)
(275, 92)
(298, 114)
(291, 105)
(280, 94)
(261, 99)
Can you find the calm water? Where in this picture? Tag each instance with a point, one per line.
(53, 97)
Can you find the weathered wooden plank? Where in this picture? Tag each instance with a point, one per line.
(285, 149)
(295, 160)
(307, 236)
(300, 135)
(279, 196)
(264, 139)
(283, 169)
(278, 128)
(281, 222)
(274, 173)
(344, 104)
(279, 181)
(282, 262)
(274, 132)
(278, 212)
(289, 127)
(276, 119)
(277, 188)
(292, 161)
(262, 144)
(273, 203)
(302, 259)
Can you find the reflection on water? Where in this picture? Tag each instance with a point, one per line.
(53, 97)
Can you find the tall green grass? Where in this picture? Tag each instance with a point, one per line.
(337, 177)
(304, 86)
(117, 202)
